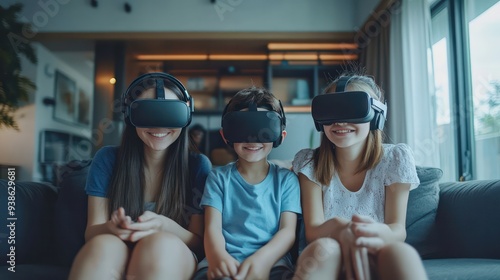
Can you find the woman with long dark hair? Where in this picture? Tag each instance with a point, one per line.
(144, 219)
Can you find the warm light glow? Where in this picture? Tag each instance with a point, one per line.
(290, 56)
(172, 57)
(311, 46)
(237, 57)
(338, 56)
(112, 81)
(293, 56)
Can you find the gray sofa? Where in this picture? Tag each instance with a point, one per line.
(454, 226)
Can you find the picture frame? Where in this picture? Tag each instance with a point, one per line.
(73, 104)
(65, 95)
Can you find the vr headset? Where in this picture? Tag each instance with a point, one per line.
(348, 107)
(253, 126)
(159, 112)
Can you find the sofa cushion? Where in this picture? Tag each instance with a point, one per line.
(70, 211)
(462, 269)
(469, 215)
(35, 271)
(422, 209)
(34, 210)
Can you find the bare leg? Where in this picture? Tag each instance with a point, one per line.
(400, 261)
(160, 256)
(103, 257)
(320, 260)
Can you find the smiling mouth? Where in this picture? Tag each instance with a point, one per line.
(158, 135)
(341, 131)
(253, 148)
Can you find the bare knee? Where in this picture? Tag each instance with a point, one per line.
(161, 251)
(102, 257)
(105, 244)
(160, 243)
(318, 255)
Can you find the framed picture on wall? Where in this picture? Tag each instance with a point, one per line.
(83, 108)
(65, 109)
(73, 104)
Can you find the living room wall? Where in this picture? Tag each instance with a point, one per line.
(21, 148)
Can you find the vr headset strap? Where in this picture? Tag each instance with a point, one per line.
(342, 83)
(252, 106)
(160, 89)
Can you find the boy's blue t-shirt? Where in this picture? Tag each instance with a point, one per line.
(101, 170)
(250, 213)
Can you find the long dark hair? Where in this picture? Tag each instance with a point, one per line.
(128, 182)
(325, 160)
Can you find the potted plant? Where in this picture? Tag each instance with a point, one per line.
(14, 87)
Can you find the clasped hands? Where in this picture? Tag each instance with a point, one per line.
(362, 236)
(148, 223)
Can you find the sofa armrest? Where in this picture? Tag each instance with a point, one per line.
(34, 213)
(468, 219)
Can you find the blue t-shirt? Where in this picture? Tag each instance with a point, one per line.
(101, 170)
(250, 213)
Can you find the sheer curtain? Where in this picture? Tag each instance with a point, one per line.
(411, 116)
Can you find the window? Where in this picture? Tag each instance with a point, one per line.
(444, 118)
(483, 24)
(467, 82)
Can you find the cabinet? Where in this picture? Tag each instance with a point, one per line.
(295, 85)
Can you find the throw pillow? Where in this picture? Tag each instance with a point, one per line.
(422, 209)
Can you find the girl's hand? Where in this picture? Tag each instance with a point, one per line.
(355, 258)
(223, 266)
(254, 268)
(147, 224)
(118, 224)
(369, 234)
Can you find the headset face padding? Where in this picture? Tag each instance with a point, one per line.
(159, 112)
(252, 127)
(347, 107)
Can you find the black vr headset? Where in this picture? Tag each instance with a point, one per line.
(159, 112)
(348, 107)
(253, 126)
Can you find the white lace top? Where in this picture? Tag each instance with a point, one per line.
(396, 166)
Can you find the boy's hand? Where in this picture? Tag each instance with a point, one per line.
(223, 266)
(254, 268)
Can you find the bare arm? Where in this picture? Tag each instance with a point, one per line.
(396, 202)
(97, 214)
(220, 262)
(312, 209)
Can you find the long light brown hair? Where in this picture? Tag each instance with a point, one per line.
(324, 158)
(128, 181)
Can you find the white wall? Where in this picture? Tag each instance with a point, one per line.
(48, 63)
(194, 15)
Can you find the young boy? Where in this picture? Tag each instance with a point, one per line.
(251, 205)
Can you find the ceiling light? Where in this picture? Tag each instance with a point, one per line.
(237, 57)
(172, 57)
(338, 56)
(311, 46)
